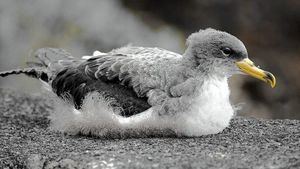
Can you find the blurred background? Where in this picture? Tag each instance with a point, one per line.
(270, 30)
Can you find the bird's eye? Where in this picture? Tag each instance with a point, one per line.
(226, 51)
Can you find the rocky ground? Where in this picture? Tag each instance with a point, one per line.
(26, 142)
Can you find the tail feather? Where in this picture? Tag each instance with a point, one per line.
(49, 62)
(32, 72)
(48, 56)
(35, 64)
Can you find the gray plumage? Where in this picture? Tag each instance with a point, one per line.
(154, 81)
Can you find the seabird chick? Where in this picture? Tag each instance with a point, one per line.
(147, 89)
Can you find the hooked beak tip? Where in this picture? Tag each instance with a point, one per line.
(248, 67)
(270, 79)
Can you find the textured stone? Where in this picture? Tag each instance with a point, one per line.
(26, 142)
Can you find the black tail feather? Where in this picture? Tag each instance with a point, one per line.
(49, 62)
(32, 72)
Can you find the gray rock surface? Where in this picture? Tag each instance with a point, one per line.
(26, 142)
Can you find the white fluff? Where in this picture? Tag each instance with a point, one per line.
(97, 118)
(98, 53)
(95, 53)
(210, 114)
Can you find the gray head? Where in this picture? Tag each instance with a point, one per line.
(211, 43)
(219, 52)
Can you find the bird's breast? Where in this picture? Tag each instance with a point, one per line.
(210, 109)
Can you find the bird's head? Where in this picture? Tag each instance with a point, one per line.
(220, 52)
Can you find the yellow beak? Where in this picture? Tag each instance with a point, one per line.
(248, 67)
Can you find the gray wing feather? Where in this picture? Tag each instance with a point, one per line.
(125, 65)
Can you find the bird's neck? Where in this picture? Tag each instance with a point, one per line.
(201, 66)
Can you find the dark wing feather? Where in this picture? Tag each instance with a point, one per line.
(101, 75)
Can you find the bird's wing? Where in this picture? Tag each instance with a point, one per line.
(136, 67)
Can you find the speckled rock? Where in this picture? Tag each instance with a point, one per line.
(27, 142)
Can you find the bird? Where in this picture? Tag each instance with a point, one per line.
(148, 88)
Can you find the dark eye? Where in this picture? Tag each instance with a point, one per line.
(226, 51)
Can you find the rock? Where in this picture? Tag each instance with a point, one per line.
(26, 142)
